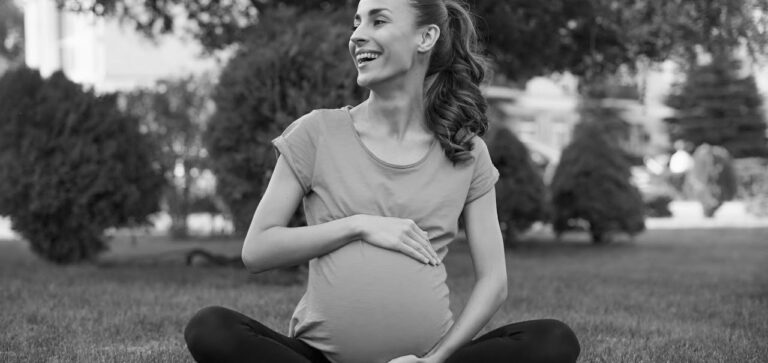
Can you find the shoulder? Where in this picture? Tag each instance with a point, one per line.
(479, 147)
(316, 120)
(481, 156)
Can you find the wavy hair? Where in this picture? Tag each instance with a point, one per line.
(455, 107)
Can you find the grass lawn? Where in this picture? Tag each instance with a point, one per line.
(670, 296)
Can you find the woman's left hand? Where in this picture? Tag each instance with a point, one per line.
(413, 359)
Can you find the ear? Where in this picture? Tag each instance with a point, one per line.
(429, 35)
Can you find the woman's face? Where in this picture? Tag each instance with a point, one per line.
(385, 40)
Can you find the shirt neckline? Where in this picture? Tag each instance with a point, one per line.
(376, 158)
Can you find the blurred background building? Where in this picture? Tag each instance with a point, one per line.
(544, 113)
(101, 52)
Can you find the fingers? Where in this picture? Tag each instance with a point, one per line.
(408, 248)
(423, 246)
(423, 239)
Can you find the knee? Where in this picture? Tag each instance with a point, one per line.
(206, 326)
(561, 341)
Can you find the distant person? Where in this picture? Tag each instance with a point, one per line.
(383, 185)
(680, 163)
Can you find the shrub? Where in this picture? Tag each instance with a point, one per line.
(520, 192)
(656, 190)
(752, 175)
(280, 73)
(72, 166)
(592, 186)
(712, 179)
(717, 105)
(657, 205)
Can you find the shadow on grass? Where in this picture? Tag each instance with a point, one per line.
(576, 242)
(548, 244)
(189, 260)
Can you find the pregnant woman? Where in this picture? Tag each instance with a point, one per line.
(383, 185)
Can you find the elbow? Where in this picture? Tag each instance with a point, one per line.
(500, 288)
(251, 265)
(503, 290)
(250, 256)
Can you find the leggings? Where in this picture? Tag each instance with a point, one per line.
(218, 334)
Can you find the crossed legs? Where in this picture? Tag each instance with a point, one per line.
(217, 334)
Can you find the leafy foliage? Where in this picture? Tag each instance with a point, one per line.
(520, 192)
(591, 38)
(752, 175)
(175, 114)
(592, 185)
(526, 37)
(72, 166)
(712, 179)
(216, 24)
(717, 106)
(279, 74)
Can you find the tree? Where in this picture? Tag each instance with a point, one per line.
(279, 74)
(712, 179)
(592, 185)
(520, 192)
(175, 114)
(718, 106)
(72, 166)
(216, 24)
(586, 37)
(604, 103)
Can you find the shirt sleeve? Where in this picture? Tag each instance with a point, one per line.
(298, 145)
(485, 174)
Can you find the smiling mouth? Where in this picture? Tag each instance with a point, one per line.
(364, 58)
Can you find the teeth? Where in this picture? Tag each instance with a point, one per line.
(362, 56)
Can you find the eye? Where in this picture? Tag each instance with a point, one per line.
(378, 22)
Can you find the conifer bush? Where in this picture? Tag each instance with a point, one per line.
(711, 180)
(279, 74)
(718, 105)
(520, 192)
(72, 166)
(591, 187)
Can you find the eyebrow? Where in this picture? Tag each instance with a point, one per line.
(373, 12)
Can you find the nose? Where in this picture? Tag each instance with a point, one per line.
(358, 37)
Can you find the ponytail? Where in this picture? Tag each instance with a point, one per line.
(455, 107)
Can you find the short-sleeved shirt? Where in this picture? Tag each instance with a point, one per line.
(364, 303)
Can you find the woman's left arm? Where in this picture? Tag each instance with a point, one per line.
(490, 290)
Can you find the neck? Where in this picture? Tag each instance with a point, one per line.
(398, 109)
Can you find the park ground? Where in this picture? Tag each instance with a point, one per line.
(669, 295)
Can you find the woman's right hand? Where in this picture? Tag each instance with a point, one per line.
(399, 235)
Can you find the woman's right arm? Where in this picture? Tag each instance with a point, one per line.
(270, 244)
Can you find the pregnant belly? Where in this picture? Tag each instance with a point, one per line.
(375, 304)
